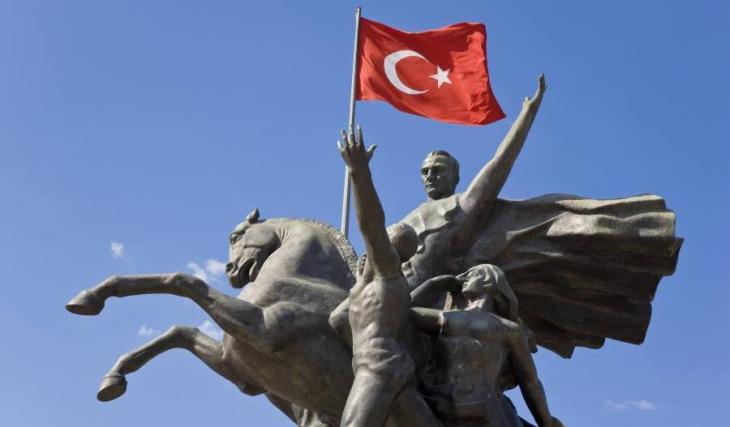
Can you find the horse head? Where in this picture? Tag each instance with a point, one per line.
(251, 243)
(304, 248)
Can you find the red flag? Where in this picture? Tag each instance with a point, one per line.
(440, 74)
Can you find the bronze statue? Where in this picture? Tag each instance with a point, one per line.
(480, 337)
(446, 219)
(582, 270)
(379, 309)
(277, 340)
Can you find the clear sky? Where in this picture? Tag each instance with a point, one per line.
(135, 134)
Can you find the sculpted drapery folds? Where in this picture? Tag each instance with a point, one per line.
(584, 270)
(379, 313)
(444, 220)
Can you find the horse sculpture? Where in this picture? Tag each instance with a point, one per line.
(294, 273)
(297, 272)
(584, 270)
(278, 339)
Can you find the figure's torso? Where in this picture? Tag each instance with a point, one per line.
(379, 308)
(469, 357)
(437, 223)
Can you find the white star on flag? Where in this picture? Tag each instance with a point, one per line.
(441, 76)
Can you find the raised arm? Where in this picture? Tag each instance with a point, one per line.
(368, 210)
(429, 292)
(485, 187)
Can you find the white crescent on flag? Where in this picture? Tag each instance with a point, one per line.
(454, 57)
(392, 60)
(389, 64)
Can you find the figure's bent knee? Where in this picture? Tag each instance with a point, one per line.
(109, 286)
(124, 360)
(186, 285)
(179, 330)
(176, 279)
(181, 335)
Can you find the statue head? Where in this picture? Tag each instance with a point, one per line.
(486, 288)
(439, 174)
(251, 243)
(405, 240)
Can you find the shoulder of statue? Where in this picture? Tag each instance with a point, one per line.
(433, 214)
(446, 208)
(452, 203)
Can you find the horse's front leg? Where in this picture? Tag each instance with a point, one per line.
(240, 319)
(208, 350)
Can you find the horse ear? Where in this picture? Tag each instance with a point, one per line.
(253, 217)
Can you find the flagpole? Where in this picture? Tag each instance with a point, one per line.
(345, 222)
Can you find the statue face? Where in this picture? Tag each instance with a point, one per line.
(250, 246)
(478, 289)
(438, 177)
(474, 284)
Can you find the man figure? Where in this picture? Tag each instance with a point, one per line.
(548, 246)
(379, 311)
(446, 221)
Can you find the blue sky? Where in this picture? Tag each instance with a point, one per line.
(159, 125)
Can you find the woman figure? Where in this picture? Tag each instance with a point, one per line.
(480, 340)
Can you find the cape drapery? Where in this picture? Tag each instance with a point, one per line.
(583, 269)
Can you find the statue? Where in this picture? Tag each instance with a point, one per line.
(582, 270)
(379, 309)
(277, 337)
(480, 338)
(446, 218)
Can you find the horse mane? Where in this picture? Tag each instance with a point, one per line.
(347, 252)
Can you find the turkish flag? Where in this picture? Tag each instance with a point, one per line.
(440, 74)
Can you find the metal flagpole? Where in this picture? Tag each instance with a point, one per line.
(345, 222)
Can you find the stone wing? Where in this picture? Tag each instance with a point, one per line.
(584, 270)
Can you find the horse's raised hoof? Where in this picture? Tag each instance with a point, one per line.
(86, 303)
(112, 386)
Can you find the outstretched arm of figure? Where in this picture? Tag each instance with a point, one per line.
(427, 320)
(485, 187)
(526, 374)
(427, 293)
(368, 210)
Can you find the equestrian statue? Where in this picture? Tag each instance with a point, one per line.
(438, 318)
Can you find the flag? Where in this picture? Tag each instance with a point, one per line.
(440, 74)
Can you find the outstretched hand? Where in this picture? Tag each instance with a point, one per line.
(352, 150)
(537, 98)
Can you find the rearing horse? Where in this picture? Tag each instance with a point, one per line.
(277, 336)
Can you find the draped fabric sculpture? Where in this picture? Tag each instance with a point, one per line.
(488, 280)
